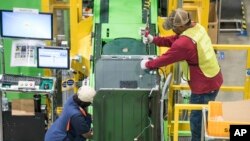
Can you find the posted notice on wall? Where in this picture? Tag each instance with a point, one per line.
(23, 53)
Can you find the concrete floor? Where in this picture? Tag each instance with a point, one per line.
(233, 65)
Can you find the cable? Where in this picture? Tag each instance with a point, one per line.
(164, 91)
(150, 93)
(149, 125)
(150, 122)
(164, 75)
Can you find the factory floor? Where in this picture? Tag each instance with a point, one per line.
(233, 64)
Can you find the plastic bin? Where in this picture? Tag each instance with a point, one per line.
(213, 22)
(223, 114)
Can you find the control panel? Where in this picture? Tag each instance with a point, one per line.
(29, 83)
(26, 84)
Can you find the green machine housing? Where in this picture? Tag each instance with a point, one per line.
(127, 104)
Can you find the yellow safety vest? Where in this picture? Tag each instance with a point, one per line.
(207, 60)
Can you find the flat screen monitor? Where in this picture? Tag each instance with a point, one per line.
(26, 25)
(53, 57)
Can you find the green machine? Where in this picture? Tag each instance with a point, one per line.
(117, 25)
(127, 104)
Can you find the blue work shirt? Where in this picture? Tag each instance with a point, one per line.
(79, 124)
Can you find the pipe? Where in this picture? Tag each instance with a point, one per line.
(164, 91)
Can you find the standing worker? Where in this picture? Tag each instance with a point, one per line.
(192, 46)
(74, 124)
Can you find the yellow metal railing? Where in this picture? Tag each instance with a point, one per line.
(179, 107)
(174, 109)
(172, 4)
(199, 10)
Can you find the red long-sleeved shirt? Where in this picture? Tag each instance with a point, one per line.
(183, 48)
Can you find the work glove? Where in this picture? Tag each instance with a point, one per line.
(143, 64)
(148, 39)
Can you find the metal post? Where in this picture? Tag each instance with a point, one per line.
(2, 55)
(51, 97)
(3, 71)
(219, 17)
(1, 118)
(179, 3)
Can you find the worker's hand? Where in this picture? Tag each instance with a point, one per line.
(88, 135)
(147, 39)
(143, 64)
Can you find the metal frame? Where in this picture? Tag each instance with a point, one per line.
(237, 24)
(235, 20)
(202, 9)
(173, 109)
(177, 109)
(49, 93)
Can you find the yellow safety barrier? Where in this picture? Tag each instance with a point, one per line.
(174, 109)
(199, 10)
(177, 109)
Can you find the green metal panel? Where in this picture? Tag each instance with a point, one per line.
(153, 12)
(29, 71)
(121, 19)
(7, 43)
(124, 46)
(112, 31)
(125, 11)
(97, 11)
(9, 4)
(123, 115)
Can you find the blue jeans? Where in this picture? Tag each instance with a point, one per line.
(196, 115)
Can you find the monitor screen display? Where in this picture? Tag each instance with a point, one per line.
(26, 25)
(53, 57)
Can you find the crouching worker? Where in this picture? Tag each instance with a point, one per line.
(74, 124)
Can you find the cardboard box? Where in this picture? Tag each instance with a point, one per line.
(21, 107)
(213, 22)
(223, 114)
(213, 32)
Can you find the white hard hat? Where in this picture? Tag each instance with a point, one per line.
(86, 94)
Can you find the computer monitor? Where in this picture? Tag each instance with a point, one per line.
(26, 25)
(53, 57)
